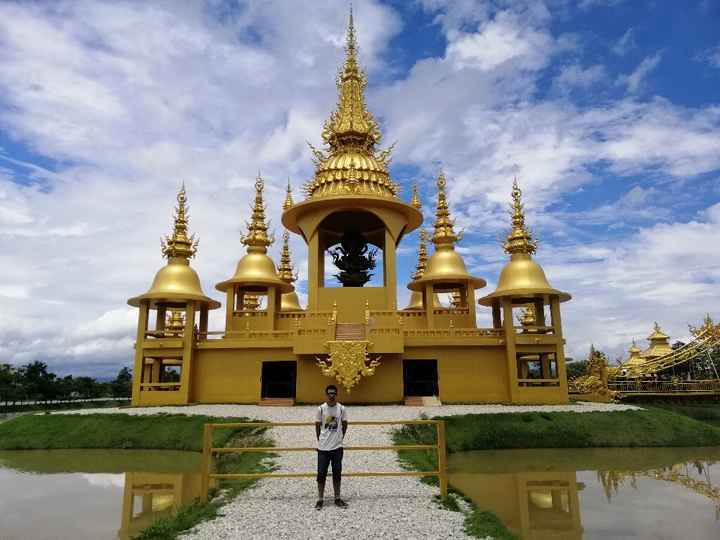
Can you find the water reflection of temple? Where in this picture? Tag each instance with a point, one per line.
(150, 496)
(535, 505)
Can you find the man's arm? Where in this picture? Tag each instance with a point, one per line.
(317, 430)
(344, 422)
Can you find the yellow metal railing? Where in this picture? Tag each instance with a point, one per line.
(209, 451)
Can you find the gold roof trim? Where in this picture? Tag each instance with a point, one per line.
(256, 268)
(521, 277)
(446, 266)
(177, 282)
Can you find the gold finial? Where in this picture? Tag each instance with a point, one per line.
(257, 238)
(656, 327)
(444, 232)
(519, 240)
(288, 197)
(415, 201)
(285, 270)
(422, 256)
(180, 245)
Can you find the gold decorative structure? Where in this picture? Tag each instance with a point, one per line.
(594, 382)
(348, 361)
(268, 352)
(175, 323)
(289, 301)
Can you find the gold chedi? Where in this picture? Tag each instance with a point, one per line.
(177, 282)
(416, 297)
(289, 301)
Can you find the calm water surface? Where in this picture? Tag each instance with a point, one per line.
(607, 493)
(91, 494)
(644, 493)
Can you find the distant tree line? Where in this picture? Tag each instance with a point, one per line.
(34, 382)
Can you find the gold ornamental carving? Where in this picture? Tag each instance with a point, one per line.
(348, 362)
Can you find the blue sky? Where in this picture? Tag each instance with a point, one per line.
(607, 111)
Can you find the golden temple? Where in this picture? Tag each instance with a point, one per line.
(274, 349)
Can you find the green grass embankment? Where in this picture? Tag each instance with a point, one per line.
(644, 428)
(159, 431)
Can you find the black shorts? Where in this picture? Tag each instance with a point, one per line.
(325, 458)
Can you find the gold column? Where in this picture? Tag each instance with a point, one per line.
(510, 346)
(390, 262)
(560, 343)
(204, 320)
(472, 311)
(272, 307)
(316, 269)
(160, 318)
(539, 312)
(230, 307)
(188, 344)
(429, 307)
(139, 342)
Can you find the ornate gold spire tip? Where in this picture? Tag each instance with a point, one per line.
(519, 240)
(422, 256)
(351, 163)
(415, 201)
(257, 238)
(288, 197)
(285, 270)
(444, 233)
(180, 245)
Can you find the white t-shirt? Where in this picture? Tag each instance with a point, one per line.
(331, 419)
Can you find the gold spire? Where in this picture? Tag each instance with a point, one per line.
(444, 232)
(285, 270)
(257, 239)
(180, 245)
(422, 256)
(519, 240)
(415, 201)
(288, 198)
(351, 164)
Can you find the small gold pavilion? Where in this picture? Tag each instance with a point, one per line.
(272, 349)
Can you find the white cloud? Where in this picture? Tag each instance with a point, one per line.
(635, 80)
(625, 43)
(573, 77)
(711, 56)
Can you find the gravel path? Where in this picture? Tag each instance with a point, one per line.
(388, 508)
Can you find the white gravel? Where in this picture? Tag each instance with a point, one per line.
(388, 508)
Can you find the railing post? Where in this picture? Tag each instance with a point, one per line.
(442, 458)
(206, 463)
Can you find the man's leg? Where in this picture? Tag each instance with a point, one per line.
(337, 456)
(322, 468)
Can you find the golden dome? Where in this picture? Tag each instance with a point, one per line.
(177, 282)
(659, 344)
(634, 359)
(522, 276)
(446, 268)
(256, 269)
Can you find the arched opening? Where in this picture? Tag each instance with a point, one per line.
(352, 250)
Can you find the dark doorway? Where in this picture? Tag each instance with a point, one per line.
(278, 380)
(420, 377)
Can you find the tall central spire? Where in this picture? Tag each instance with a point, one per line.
(257, 239)
(351, 164)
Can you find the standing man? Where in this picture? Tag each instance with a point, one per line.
(330, 428)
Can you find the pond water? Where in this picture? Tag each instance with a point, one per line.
(642, 493)
(598, 493)
(91, 494)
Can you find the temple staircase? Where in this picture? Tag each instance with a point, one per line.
(277, 402)
(349, 332)
(422, 401)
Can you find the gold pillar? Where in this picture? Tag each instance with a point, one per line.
(230, 307)
(510, 346)
(389, 262)
(272, 307)
(560, 343)
(316, 271)
(139, 356)
(539, 305)
(204, 320)
(160, 318)
(188, 344)
(429, 305)
(470, 299)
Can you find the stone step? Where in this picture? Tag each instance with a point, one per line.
(277, 402)
(422, 401)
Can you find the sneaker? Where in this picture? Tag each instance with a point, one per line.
(340, 503)
(318, 505)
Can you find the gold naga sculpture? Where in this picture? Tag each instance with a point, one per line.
(348, 361)
(595, 380)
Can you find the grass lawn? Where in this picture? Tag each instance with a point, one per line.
(160, 431)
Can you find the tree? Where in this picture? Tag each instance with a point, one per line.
(575, 369)
(122, 385)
